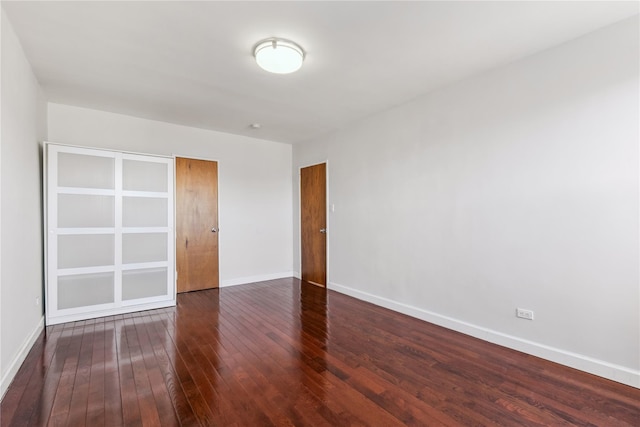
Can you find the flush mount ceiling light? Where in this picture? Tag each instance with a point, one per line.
(278, 55)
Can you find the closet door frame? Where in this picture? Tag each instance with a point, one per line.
(54, 315)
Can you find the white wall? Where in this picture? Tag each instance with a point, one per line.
(254, 182)
(515, 188)
(23, 127)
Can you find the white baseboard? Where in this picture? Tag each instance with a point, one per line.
(581, 362)
(15, 364)
(253, 279)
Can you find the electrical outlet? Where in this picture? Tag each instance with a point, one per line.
(524, 314)
(37, 300)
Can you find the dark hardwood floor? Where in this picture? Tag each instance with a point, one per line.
(285, 353)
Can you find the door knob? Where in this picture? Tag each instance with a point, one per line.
(323, 230)
(214, 230)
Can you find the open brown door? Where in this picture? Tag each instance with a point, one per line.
(196, 224)
(313, 224)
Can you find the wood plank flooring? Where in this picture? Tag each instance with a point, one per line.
(285, 353)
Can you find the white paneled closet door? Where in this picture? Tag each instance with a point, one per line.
(110, 245)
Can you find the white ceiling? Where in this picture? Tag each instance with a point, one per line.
(191, 62)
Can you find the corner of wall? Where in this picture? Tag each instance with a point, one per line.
(15, 364)
(593, 366)
(23, 115)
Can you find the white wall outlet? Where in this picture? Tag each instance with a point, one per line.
(524, 314)
(37, 300)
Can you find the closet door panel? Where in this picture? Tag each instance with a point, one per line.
(144, 212)
(85, 171)
(144, 247)
(144, 283)
(85, 210)
(86, 250)
(85, 290)
(144, 176)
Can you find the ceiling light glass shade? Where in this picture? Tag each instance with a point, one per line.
(278, 56)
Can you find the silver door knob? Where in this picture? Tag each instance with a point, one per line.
(214, 230)
(323, 230)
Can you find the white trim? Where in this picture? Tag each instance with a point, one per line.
(51, 232)
(88, 230)
(90, 150)
(144, 301)
(327, 207)
(148, 194)
(140, 157)
(119, 213)
(146, 230)
(581, 362)
(253, 279)
(86, 270)
(86, 191)
(15, 364)
(145, 265)
(109, 312)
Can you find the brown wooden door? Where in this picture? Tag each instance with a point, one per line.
(196, 224)
(313, 224)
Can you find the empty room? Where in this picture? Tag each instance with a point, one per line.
(320, 213)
